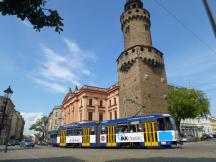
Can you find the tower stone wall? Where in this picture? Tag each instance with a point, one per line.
(141, 71)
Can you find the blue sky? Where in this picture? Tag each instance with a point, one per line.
(42, 66)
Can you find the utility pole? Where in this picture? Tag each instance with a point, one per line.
(211, 15)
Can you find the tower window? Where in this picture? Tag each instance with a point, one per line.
(129, 12)
(127, 29)
(146, 27)
(137, 10)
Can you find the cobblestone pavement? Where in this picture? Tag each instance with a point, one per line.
(204, 151)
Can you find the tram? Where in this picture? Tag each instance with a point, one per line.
(52, 137)
(142, 131)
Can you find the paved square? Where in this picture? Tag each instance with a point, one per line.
(193, 152)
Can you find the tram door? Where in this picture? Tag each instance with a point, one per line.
(111, 136)
(86, 137)
(63, 137)
(150, 134)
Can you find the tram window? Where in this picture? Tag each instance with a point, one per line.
(161, 124)
(164, 124)
(173, 123)
(168, 125)
(103, 129)
(78, 132)
(122, 128)
(92, 130)
(135, 128)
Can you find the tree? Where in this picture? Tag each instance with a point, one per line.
(34, 11)
(41, 126)
(187, 103)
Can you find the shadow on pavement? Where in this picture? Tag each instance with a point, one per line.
(164, 159)
(17, 148)
(71, 159)
(57, 159)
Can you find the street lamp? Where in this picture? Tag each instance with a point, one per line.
(7, 94)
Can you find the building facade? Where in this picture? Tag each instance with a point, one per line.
(54, 120)
(196, 127)
(213, 124)
(13, 124)
(90, 104)
(141, 71)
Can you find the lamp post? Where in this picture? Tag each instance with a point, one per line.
(10, 116)
(7, 94)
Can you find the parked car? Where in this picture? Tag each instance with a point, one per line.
(27, 143)
(17, 142)
(183, 139)
(192, 138)
(11, 143)
(206, 137)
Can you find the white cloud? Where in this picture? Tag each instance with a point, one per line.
(55, 87)
(59, 71)
(30, 118)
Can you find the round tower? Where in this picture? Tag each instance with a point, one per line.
(135, 24)
(141, 71)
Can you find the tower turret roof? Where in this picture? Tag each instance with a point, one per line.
(139, 4)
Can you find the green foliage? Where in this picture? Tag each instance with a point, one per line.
(34, 11)
(40, 126)
(187, 103)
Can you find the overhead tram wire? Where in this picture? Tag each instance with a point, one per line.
(185, 26)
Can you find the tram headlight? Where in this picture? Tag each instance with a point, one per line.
(175, 136)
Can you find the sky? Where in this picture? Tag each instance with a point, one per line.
(42, 66)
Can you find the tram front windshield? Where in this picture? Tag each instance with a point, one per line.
(166, 123)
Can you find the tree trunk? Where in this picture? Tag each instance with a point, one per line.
(178, 126)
